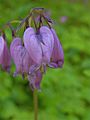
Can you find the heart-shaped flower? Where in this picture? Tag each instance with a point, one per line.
(57, 58)
(5, 58)
(20, 56)
(39, 45)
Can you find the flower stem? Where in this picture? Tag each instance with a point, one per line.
(35, 97)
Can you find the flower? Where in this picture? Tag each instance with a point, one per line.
(5, 58)
(39, 49)
(35, 79)
(57, 58)
(20, 56)
(24, 63)
(39, 45)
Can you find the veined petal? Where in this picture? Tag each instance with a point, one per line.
(48, 40)
(20, 56)
(32, 45)
(22, 60)
(16, 42)
(57, 54)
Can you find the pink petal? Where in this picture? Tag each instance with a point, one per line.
(16, 41)
(57, 54)
(48, 41)
(35, 80)
(20, 56)
(23, 60)
(5, 58)
(47, 38)
(38, 79)
(1, 48)
(32, 45)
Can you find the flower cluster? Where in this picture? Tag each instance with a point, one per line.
(38, 49)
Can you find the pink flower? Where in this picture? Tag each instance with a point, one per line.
(20, 56)
(5, 58)
(39, 45)
(57, 58)
(35, 79)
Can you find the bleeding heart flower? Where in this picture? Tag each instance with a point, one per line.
(20, 56)
(57, 58)
(5, 58)
(39, 45)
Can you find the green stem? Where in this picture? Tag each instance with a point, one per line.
(35, 97)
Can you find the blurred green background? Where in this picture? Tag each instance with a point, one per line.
(65, 92)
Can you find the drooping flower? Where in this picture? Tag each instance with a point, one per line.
(20, 56)
(5, 58)
(44, 48)
(57, 58)
(39, 45)
(35, 79)
(24, 64)
(40, 48)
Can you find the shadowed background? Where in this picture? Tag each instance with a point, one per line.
(65, 92)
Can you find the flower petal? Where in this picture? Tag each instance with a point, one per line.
(32, 45)
(57, 54)
(35, 80)
(1, 48)
(33, 68)
(5, 58)
(16, 42)
(48, 40)
(20, 56)
(22, 60)
(38, 79)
